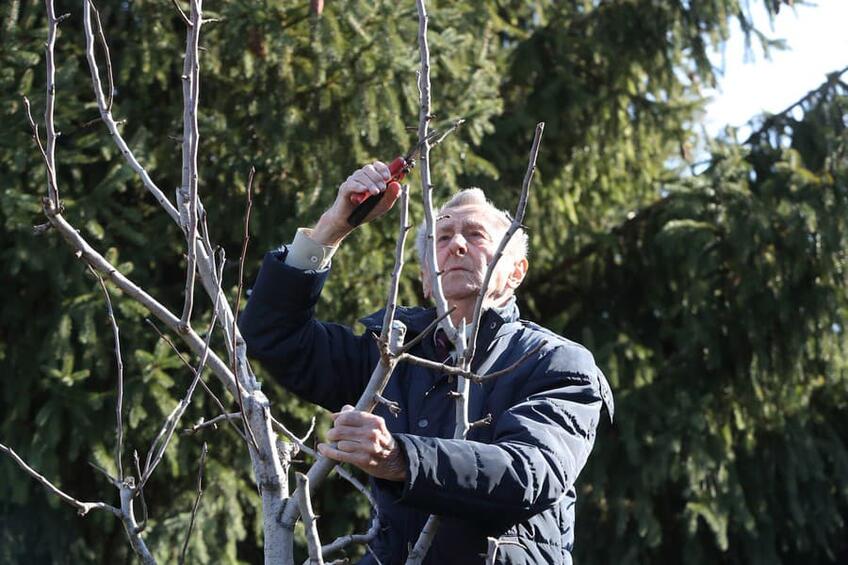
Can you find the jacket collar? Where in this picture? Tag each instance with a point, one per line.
(416, 319)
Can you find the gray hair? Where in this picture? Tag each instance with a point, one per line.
(518, 245)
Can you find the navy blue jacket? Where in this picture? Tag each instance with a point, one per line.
(513, 479)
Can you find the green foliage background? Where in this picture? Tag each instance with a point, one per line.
(715, 301)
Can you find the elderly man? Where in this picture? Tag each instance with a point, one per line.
(513, 479)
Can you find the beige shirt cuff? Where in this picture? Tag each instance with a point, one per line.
(307, 254)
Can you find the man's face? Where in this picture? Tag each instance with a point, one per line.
(466, 242)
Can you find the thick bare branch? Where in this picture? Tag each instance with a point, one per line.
(50, 65)
(424, 117)
(127, 494)
(191, 135)
(313, 542)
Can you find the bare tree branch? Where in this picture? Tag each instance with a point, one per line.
(430, 327)
(514, 226)
(208, 390)
(182, 14)
(391, 344)
(313, 542)
(213, 423)
(424, 117)
(140, 494)
(105, 108)
(102, 37)
(244, 244)
(82, 507)
(160, 443)
(394, 284)
(119, 401)
(196, 504)
(51, 175)
(127, 493)
(50, 65)
(191, 135)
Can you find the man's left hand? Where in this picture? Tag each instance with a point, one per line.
(363, 440)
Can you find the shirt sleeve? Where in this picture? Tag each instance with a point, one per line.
(306, 253)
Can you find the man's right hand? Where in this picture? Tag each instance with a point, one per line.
(371, 179)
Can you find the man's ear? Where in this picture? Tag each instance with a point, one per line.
(519, 271)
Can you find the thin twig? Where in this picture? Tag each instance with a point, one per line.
(182, 14)
(106, 115)
(394, 284)
(424, 117)
(343, 541)
(119, 401)
(426, 331)
(213, 423)
(105, 48)
(167, 431)
(209, 391)
(51, 176)
(82, 507)
(244, 244)
(140, 495)
(479, 379)
(196, 504)
(515, 225)
(465, 373)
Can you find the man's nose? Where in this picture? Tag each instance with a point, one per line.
(458, 245)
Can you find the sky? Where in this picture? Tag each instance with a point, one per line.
(818, 44)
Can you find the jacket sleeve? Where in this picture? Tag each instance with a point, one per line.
(326, 364)
(538, 448)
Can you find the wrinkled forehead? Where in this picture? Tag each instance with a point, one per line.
(472, 215)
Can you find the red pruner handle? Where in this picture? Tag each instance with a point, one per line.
(398, 169)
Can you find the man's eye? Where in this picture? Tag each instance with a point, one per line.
(443, 238)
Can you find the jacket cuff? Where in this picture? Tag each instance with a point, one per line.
(413, 467)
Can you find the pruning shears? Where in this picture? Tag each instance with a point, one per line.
(398, 169)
